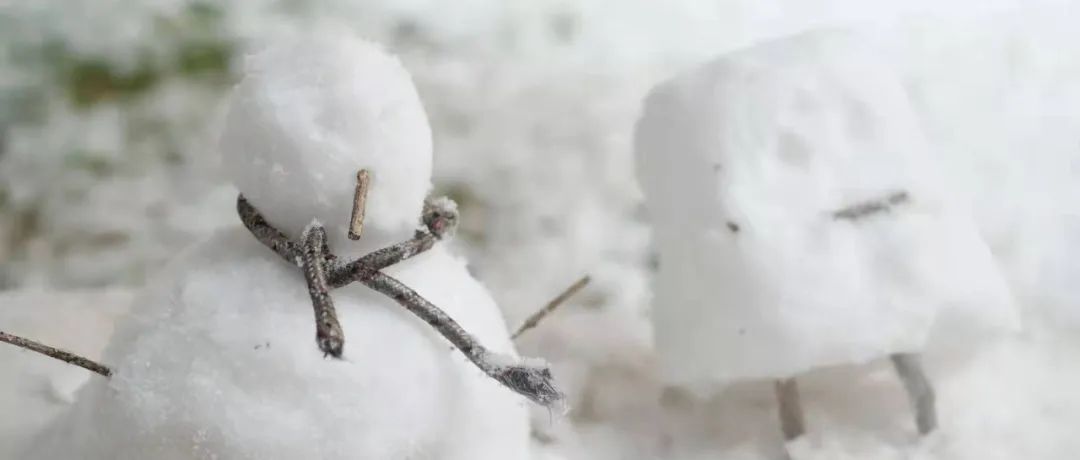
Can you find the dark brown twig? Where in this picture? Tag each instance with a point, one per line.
(267, 234)
(532, 381)
(328, 332)
(539, 316)
(861, 210)
(440, 218)
(56, 353)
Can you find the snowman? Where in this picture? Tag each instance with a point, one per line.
(800, 223)
(327, 141)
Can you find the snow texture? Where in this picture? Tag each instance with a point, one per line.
(36, 388)
(217, 359)
(310, 112)
(799, 218)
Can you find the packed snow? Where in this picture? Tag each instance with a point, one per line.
(800, 220)
(532, 108)
(217, 358)
(309, 114)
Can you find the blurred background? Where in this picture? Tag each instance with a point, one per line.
(108, 164)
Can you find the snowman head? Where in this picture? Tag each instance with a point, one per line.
(308, 115)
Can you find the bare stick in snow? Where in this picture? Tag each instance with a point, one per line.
(56, 353)
(792, 422)
(861, 210)
(356, 223)
(328, 332)
(920, 392)
(539, 316)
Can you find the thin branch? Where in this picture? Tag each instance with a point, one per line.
(919, 389)
(440, 219)
(328, 333)
(539, 316)
(533, 382)
(356, 222)
(861, 210)
(267, 234)
(56, 353)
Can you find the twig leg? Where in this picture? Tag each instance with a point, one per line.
(792, 422)
(920, 391)
(328, 332)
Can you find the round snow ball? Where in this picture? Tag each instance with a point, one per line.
(310, 113)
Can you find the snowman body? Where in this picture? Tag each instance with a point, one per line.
(204, 371)
(799, 218)
(218, 358)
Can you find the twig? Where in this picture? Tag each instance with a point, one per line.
(56, 353)
(532, 381)
(356, 222)
(539, 316)
(858, 211)
(267, 234)
(920, 391)
(792, 422)
(328, 332)
(440, 218)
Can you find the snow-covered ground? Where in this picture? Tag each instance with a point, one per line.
(532, 107)
(1017, 400)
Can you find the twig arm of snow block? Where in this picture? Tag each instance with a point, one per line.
(328, 332)
(920, 391)
(534, 381)
(266, 234)
(868, 208)
(56, 353)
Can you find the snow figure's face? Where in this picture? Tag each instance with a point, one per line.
(307, 116)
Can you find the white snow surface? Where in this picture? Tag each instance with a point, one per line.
(218, 360)
(36, 388)
(746, 162)
(310, 111)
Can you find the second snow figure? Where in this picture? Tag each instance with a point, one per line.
(217, 359)
(801, 223)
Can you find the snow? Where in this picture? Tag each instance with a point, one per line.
(216, 360)
(37, 388)
(800, 220)
(312, 111)
(532, 105)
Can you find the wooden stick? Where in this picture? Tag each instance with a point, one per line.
(539, 316)
(920, 391)
(56, 353)
(328, 333)
(356, 223)
(792, 422)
